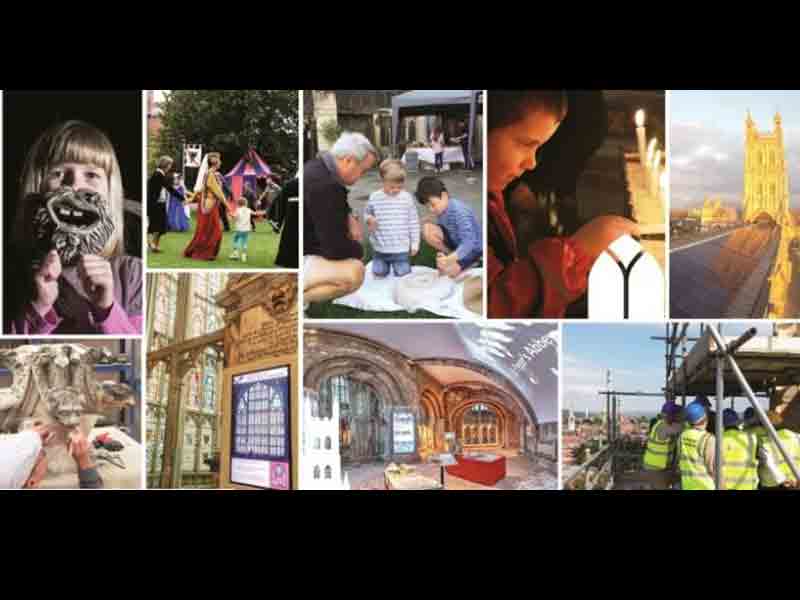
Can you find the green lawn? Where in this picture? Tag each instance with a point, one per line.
(262, 247)
(426, 257)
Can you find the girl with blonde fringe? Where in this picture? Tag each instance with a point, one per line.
(73, 274)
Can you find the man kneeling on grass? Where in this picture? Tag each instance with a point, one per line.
(331, 234)
(457, 236)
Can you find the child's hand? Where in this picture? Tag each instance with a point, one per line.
(97, 279)
(594, 237)
(448, 265)
(354, 228)
(372, 224)
(414, 250)
(45, 281)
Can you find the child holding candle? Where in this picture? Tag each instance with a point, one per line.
(542, 279)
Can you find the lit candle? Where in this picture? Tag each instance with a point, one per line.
(640, 136)
(651, 147)
(654, 173)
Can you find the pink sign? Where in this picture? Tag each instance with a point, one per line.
(279, 475)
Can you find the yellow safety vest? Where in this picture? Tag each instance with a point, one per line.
(740, 460)
(694, 474)
(658, 454)
(791, 442)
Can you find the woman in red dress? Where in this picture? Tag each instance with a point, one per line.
(544, 278)
(207, 238)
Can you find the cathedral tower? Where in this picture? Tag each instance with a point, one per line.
(766, 183)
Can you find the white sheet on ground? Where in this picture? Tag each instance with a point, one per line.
(378, 295)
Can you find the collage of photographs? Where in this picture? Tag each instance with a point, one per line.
(400, 290)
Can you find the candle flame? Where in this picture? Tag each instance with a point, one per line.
(639, 118)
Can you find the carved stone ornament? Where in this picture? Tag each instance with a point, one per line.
(56, 385)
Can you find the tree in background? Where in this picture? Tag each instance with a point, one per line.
(230, 122)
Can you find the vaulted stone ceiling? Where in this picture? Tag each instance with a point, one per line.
(526, 353)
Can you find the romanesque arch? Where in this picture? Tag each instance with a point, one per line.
(329, 353)
(358, 369)
(502, 384)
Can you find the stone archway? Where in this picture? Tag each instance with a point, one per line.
(499, 431)
(765, 218)
(502, 385)
(372, 393)
(359, 369)
(511, 417)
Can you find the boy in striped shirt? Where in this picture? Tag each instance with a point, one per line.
(393, 223)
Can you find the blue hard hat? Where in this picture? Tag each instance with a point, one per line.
(669, 408)
(695, 412)
(749, 413)
(702, 399)
(729, 418)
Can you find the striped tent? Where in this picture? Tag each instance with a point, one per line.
(247, 170)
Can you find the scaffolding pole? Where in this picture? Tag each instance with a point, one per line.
(727, 353)
(718, 424)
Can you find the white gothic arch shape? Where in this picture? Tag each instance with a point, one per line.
(626, 283)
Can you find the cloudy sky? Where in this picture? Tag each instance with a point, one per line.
(707, 141)
(637, 362)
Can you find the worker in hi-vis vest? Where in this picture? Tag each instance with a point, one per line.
(739, 455)
(659, 456)
(696, 451)
(711, 421)
(773, 469)
(768, 471)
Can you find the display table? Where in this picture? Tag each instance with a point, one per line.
(408, 479)
(486, 469)
(452, 154)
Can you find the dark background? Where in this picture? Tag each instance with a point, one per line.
(26, 114)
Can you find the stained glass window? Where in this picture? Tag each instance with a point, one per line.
(206, 316)
(193, 388)
(210, 382)
(201, 316)
(164, 313)
(155, 439)
(480, 426)
(261, 422)
(206, 445)
(189, 444)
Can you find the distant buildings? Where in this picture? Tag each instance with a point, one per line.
(714, 214)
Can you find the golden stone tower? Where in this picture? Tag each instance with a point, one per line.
(766, 184)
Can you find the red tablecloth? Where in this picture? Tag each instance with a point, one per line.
(479, 471)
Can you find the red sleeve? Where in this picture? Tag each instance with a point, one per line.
(542, 284)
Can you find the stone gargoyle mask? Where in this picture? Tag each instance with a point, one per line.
(56, 383)
(72, 222)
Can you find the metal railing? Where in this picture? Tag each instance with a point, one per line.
(714, 359)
